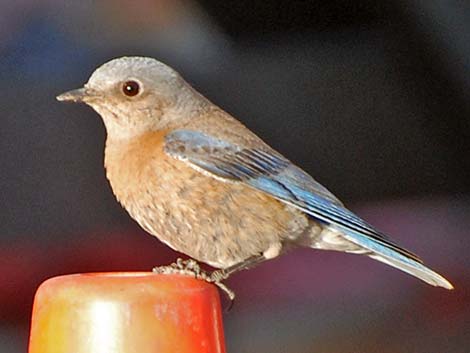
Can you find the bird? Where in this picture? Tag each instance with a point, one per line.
(204, 184)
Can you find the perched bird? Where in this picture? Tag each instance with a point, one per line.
(204, 184)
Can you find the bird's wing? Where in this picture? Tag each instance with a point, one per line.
(269, 172)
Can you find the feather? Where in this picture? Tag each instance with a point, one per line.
(270, 172)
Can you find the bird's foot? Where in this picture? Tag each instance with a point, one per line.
(193, 269)
(183, 267)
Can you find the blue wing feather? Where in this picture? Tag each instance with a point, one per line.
(273, 174)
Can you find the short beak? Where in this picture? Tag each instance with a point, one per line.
(76, 95)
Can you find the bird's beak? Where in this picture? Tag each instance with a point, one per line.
(77, 95)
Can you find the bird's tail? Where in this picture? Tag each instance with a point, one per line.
(386, 252)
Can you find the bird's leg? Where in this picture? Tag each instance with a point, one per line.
(219, 275)
(191, 268)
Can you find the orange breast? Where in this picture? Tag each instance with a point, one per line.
(131, 165)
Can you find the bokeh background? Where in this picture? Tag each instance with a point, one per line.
(371, 97)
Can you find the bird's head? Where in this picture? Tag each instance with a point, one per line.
(134, 95)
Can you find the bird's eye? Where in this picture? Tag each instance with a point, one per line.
(131, 88)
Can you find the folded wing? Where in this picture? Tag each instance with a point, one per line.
(269, 172)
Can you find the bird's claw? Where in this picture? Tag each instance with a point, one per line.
(191, 268)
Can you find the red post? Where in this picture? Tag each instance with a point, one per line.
(138, 312)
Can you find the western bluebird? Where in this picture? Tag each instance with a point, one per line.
(199, 180)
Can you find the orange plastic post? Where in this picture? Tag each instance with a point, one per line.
(138, 312)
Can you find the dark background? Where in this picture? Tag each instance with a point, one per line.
(372, 99)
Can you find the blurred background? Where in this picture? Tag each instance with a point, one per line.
(371, 97)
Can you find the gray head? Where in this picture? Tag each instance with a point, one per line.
(134, 95)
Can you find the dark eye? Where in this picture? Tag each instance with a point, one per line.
(131, 88)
